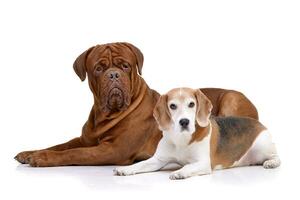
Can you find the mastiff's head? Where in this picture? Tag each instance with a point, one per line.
(113, 72)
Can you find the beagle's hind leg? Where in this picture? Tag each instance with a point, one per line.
(272, 163)
(262, 152)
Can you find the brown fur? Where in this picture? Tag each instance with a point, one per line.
(199, 134)
(203, 113)
(204, 108)
(124, 130)
(161, 112)
(230, 103)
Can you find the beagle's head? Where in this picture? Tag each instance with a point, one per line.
(180, 109)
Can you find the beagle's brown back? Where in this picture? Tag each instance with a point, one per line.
(230, 103)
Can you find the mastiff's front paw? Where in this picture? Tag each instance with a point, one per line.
(43, 159)
(22, 157)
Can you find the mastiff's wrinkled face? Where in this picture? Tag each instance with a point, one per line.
(112, 71)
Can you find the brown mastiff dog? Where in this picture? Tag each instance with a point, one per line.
(121, 128)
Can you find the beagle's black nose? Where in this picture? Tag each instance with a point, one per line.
(184, 122)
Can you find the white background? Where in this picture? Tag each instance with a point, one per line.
(251, 46)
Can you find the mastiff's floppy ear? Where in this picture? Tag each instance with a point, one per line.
(204, 107)
(138, 55)
(80, 64)
(161, 113)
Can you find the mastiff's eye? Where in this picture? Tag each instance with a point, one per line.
(125, 66)
(98, 69)
(173, 106)
(191, 105)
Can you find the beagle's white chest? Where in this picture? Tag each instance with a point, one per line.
(179, 149)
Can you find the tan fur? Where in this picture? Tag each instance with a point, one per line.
(204, 108)
(199, 134)
(161, 113)
(230, 103)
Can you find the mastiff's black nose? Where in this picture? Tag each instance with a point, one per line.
(114, 75)
(184, 122)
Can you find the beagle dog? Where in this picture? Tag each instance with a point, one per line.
(200, 142)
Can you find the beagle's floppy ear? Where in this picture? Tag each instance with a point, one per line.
(80, 64)
(138, 55)
(204, 107)
(161, 113)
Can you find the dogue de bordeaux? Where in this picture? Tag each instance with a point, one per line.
(121, 128)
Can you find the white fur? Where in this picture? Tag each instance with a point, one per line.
(262, 152)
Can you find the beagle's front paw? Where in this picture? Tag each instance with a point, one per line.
(178, 175)
(183, 174)
(124, 171)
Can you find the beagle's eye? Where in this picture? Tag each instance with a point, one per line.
(173, 106)
(191, 105)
